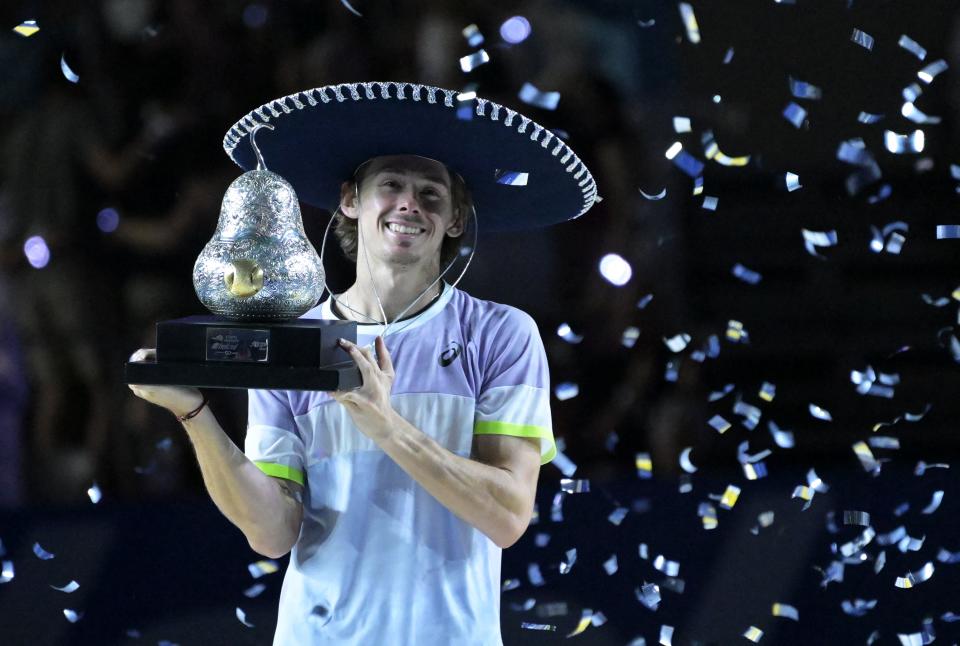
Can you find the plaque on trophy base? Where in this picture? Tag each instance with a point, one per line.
(214, 352)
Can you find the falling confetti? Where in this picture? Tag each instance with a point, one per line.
(472, 61)
(68, 73)
(27, 28)
(350, 8)
(530, 95)
(912, 46)
(690, 22)
(862, 38)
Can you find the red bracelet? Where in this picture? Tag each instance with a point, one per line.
(194, 412)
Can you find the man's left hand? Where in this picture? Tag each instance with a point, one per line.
(369, 405)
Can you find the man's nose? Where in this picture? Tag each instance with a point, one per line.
(407, 201)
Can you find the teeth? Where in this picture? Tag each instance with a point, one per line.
(399, 228)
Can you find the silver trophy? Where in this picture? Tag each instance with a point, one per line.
(257, 275)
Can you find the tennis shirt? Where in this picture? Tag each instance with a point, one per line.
(378, 559)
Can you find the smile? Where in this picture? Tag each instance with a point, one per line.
(404, 229)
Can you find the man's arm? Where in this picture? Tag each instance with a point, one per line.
(494, 490)
(267, 510)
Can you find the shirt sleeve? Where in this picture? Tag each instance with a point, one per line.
(514, 394)
(272, 442)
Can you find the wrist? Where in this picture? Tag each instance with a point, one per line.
(193, 412)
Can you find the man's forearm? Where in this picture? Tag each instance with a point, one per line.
(249, 498)
(487, 497)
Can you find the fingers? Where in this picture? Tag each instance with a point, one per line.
(360, 355)
(383, 357)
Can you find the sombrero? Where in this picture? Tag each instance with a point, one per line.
(521, 175)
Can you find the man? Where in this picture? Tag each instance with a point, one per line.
(396, 497)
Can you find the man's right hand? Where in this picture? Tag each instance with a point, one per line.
(179, 400)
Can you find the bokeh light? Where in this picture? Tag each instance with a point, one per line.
(37, 252)
(108, 220)
(615, 269)
(515, 30)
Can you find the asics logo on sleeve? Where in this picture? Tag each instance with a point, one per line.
(450, 353)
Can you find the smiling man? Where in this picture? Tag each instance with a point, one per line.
(397, 497)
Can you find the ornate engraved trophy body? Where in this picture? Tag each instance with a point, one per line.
(257, 274)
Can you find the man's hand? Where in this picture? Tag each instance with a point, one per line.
(177, 399)
(369, 405)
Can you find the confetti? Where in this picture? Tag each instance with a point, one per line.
(910, 544)
(567, 334)
(767, 391)
(530, 95)
(260, 568)
(649, 595)
(795, 114)
(868, 117)
(743, 457)
(746, 275)
(471, 61)
(783, 439)
(820, 413)
(615, 269)
(728, 56)
(708, 515)
(803, 90)
(72, 615)
(41, 553)
(792, 181)
(912, 92)
(711, 150)
(473, 35)
(670, 568)
(865, 455)
(720, 394)
(666, 635)
(242, 617)
(27, 28)
(719, 424)
(946, 556)
(690, 22)
(585, 622)
(730, 497)
(816, 483)
(511, 177)
(710, 202)
(647, 23)
(510, 584)
(566, 390)
(643, 302)
(562, 462)
(534, 574)
(610, 565)
(254, 591)
(688, 164)
(862, 38)
(528, 626)
(884, 442)
(881, 561)
(930, 72)
(912, 46)
(678, 342)
(68, 73)
(681, 124)
(753, 633)
(350, 8)
(784, 610)
(73, 586)
(856, 545)
(948, 231)
(813, 239)
(616, 516)
(901, 144)
(911, 579)
(861, 518)
(630, 336)
(735, 331)
(653, 197)
(912, 113)
(685, 462)
(644, 466)
(574, 486)
(7, 572)
(912, 639)
(94, 493)
(922, 467)
(935, 501)
(858, 607)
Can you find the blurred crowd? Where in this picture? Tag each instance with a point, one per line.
(110, 187)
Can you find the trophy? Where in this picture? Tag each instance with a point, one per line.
(257, 275)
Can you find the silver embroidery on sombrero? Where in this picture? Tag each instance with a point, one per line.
(575, 167)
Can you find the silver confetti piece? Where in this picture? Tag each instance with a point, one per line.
(785, 610)
(41, 553)
(862, 38)
(530, 95)
(534, 575)
(649, 595)
(566, 390)
(685, 462)
(567, 334)
(242, 617)
(858, 607)
(511, 177)
(630, 336)
(73, 586)
(795, 114)
(753, 634)
(68, 73)
(814, 239)
(746, 275)
(473, 61)
(678, 342)
(861, 518)
(911, 579)
(869, 117)
(617, 515)
(670, 568)
(912, 46)
(254, 590)
(681, 124)
(803, 90)
(473, 35)
(653, 197)
(574, 486)
(719, 424)
(820, 413)
(260, 568)
(72, 615)
(934, 502)
(689, 22)
(783, 439)
(901, 144)
(666, 635)
(930, 72)
(567, 563)
(610, 565)
(948, 231)
(530, 626)
(792, 182)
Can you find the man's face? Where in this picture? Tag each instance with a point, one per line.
(405, 210)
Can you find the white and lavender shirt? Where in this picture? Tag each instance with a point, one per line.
(379, 560)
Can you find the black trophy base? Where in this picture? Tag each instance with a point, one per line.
(213, 352)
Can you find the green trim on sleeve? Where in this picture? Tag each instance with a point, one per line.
(489, 427)
(280, 471)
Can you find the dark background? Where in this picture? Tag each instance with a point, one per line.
(140, 133)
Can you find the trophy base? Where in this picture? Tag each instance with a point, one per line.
(213, 352)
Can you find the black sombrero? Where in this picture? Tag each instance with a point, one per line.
(320, 136)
